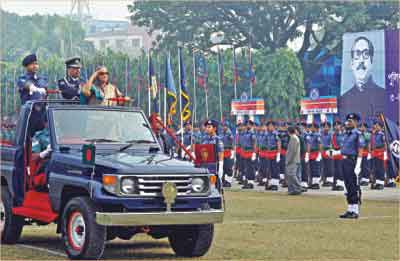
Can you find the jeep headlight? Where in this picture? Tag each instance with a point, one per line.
(199, 185)
(110, 183)
(128, 186)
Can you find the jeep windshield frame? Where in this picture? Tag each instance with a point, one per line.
(75, 125)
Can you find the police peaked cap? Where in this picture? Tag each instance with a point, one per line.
(74, 62)
(352, 116)
(213, 123)
(29, 59)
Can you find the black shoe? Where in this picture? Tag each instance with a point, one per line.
(363, 183)
(350, 215)
(227, 184)
(248, 186)
(377, 186)
(337, 188)
(272, 187)
(314, 186)
(390, 185)
(284, 184)
(294, 193)
(327, 184)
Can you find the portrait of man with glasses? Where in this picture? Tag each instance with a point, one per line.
(365, 96)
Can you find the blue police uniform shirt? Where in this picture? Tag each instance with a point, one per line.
(70, 87)
(27, 79)
(313, 140)
(227, 139)
(248, 140)
(326, 140)
(241, 139)
(270, 140)
(284, 138)
(352, 141)
(378, 140)
(187, 138)
(197, 137)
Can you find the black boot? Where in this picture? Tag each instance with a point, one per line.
(350, 215)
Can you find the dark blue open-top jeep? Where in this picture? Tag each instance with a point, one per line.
(123, 187)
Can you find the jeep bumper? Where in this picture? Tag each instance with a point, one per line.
(159, 218)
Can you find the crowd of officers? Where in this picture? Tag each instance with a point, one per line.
(255, 154)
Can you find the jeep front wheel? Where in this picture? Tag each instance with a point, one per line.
(191, 241)
(10, 224)
(83, 238)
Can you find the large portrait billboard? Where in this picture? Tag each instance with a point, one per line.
(367, 58)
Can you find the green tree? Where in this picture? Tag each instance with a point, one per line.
(266, 25)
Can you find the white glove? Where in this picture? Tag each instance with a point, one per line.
(44, 154)
(33, 88)
(278, 157)
(319, 157)
(357, 169)
(385, 156)
(369, 156)
(220, 169)
(307, 157)
(253, 156)
(232, 154)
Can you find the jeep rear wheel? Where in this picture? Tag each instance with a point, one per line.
(10, 224)
(191, 241)
(83, 238)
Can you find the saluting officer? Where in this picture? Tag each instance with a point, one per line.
(31, 85)
(353, 143)
(366, 161)
(284, 138)
(327, 161)
(313, 155)
(227, 140)
(210, 137)
(379, 155)
(337, 143)
(270, 153)
(248, 145)
(70, 85)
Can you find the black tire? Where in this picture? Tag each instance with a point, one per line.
(191, 241)
(86, 240)
(12, 224)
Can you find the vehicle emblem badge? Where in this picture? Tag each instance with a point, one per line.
(169, 193)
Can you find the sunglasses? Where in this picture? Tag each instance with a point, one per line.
(103, 73)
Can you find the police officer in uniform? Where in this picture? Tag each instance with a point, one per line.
(211, 137)
(248, 155)
(238, 152)
(284, 138)
(379, 155)
(327, 161)
(187, 137)
(314, 155)
(337, 143)
(227, 140)
(31, 85)
(270, 151)
(353, 143)
(70, 85)
(366, 161)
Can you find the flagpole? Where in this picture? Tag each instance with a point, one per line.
(219, 83)
(194, 89)
(234, 73)
(126, 76)
(159, 84)
(148, 84)
(206, 92)
(139, 86)
(180, 91)
(165, 98)
(15, 91)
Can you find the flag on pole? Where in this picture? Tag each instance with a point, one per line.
(202, 71)
(153, 88)
(392, 135)
(171, 90)
(186, 112)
